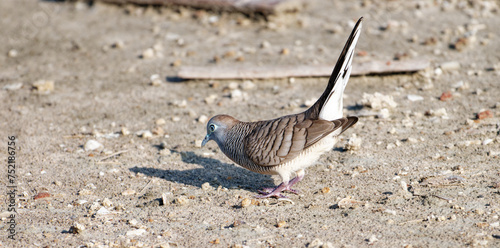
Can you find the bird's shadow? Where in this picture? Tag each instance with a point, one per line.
(214, 172)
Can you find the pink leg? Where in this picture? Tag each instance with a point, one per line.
(284, 186)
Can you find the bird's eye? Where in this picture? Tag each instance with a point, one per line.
(212, 127)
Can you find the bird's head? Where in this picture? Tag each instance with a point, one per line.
(217, 128)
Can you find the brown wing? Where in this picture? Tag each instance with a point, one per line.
(280, 140)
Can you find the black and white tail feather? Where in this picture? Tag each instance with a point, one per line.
(330, 104)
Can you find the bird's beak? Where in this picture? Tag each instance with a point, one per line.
(205, 140)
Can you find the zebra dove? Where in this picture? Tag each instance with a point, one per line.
(291, 143)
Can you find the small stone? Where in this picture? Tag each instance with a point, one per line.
(43, 86)
(197, 143)
(206, 186)
(354, 143)
(438, 112)
(12, 87)
(202, 119)
(84, 192)
(412, 140)
(325, 190)
(133, 222)
(158, 131)
(155, 80)
(182, 200)
(176, 63)
(236, 94)
(229, 54)
(76, 228)
(215, 241)
(378, 101)
(136, 232)
(487, 141)
(484, 114)
(246, 202)
(210, 99)
(449, 66)
(145, 134)
(248, 85)
(281, 224)
(496, 185)
(128, 192)
(176, 118)
(233, 85)
(92, 145)
(12, 53)
(160, 122)
(107, 202)
(118, 44)
(285, 51)
(446, 96)
(372, 239)
(148, 53)
(390, 146)
(41, 195)
(164, 198)
(414, 98)
(124, 131)
(265, 44)
(103, 211)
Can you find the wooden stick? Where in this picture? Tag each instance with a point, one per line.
(265, 7)
(252, 72)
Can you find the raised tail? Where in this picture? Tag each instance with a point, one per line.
(329, 106)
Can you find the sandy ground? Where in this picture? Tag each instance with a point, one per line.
(425, 172)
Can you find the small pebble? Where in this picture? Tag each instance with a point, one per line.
(76, 228)
(176, 63)
(43, 86)
(124, 131)
(414, 98)
(197, 143)
(484, 114)
(210, 99)
(265, 44)
(449, 66)
(281, 224)
(236, 94)
(248, 85)
(160, 122)
(176, 118)
(103, 211)
(12, 87)
(92, 145)
(246, 202)
(285, 51)
(325, 190)
(12, 53)
(354, 143)
(446, 96)
(136, 232)
(202, 119)
(182, 200)
(158, 131)
(148, 53)
(128, 192)
(155, 80)
(206, 186)
(41, 195)
(84, 192)
(107, 202)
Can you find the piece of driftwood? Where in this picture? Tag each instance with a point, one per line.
(265, 7)
(262, 72)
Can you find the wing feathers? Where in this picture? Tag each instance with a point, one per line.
(285, 138)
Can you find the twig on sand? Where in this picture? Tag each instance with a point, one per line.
(263, 72)
(265, 7)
